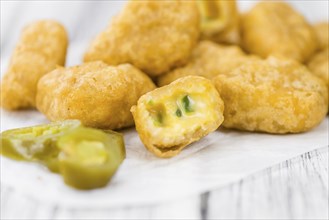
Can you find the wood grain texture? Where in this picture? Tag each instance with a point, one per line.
(294, 189)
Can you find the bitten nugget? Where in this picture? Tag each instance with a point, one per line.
(319, 65)
(220, 21)
(275, 28)
(171, 117)
(208, 60)
(322, 33)
(274, 96)
(96, 94)
(41, 47)
(154, 36)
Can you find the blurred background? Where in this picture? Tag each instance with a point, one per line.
(85, 19)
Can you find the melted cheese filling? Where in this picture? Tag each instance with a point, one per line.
(213, 16)
(179, 114)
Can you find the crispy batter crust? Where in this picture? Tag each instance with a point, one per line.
(169, 140)
(322, 33)
(275, 28)
(208, 60)
(274, 96)
(97, 94)
(41, 47)
(154, 36)
(319, 65)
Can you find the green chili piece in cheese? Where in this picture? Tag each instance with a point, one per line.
(158, 114)
(187, 103)
(178, 113)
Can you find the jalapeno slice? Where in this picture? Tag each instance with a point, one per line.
(37, 143)
(89, 157)
(117, 143)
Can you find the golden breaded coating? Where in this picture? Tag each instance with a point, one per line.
(171, 117)
(96, 94)
(319, 65)
(208, 60)
(275, 28)
(41, 47)
(322, 33)
(154, 36)
(220, 21)
(274, 96)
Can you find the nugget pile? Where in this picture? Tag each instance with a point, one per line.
(263, 71)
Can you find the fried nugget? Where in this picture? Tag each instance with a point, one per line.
(154, 36)
(171, 117)
(274, 96)
(322, 33)
(41, 47)
(208, 60)
(275, 28)
(95, 93)
(219, 21)
(319, 65)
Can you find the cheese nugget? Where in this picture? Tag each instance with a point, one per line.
(171, 117)
(273, 96)
(96, 94)
(41, 47)
(219, 20)
(208, 60)
(319, 65)
(154, 36)
(275, 28)
(322, 33)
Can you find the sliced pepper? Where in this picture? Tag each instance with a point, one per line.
(37, 143)
(89, 157)
(117, 143)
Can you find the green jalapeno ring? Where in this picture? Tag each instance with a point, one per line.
(83, 172)
(117, 142)
(36, 143)
(8, 149)
(40, 144)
